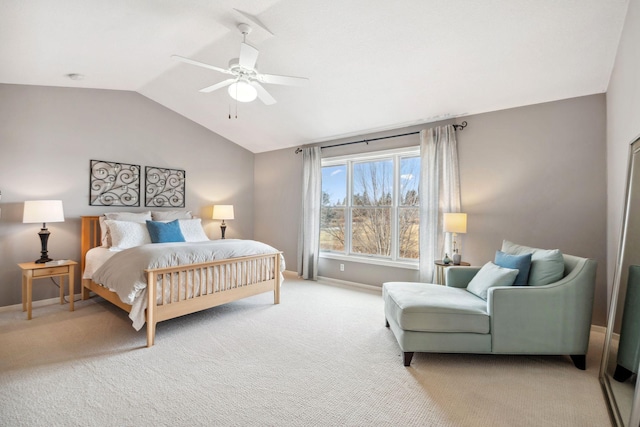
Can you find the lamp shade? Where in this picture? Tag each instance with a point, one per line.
(455, 222)
(43, 211)
(222, 212)
(242, 91)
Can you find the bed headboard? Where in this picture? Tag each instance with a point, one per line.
(90, 236)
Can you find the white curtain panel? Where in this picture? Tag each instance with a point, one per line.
(309, 233)
(439, 192)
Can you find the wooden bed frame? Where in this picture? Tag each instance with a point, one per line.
(176, 279)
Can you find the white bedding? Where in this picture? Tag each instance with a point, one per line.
(123, 272)
(94, 259)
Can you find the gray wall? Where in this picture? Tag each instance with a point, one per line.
(48, 136)
(623, 126)
(535, 175)
(277, 201)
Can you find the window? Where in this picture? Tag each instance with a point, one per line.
(370, 206)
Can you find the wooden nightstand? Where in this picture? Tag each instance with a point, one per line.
(31, 270)
(440, 266)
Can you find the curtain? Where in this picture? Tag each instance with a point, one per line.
(309, 232)
(439, 192)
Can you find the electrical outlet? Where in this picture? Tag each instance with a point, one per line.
(341, 267)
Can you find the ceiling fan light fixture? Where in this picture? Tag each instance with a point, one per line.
(242, 91)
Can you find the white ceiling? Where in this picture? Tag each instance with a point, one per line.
(372, 64)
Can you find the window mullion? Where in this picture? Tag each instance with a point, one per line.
(349, 208)
(394, 209)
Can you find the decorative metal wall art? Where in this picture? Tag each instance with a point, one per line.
(164, 187)
(114, 184)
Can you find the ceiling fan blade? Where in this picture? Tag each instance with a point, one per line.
(283, 80)
(200, 64)
(217, 86)
(248, 56)
(264, 96)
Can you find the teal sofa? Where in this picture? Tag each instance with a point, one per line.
(553, 319)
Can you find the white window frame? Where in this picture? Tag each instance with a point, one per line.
(349, 160)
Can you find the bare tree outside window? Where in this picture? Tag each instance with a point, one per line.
(372, 200)
(408, 209)
(332, 211)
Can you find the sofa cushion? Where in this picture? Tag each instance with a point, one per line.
(522, 263)
(489, 276)
(547, 265)
(427, 307)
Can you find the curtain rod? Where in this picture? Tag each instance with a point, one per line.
(367, 141)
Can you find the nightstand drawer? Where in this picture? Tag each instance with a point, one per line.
(50, 271)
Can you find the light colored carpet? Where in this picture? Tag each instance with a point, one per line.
(321, 358)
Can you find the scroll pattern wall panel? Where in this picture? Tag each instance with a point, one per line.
(114, 184)
(164, 187)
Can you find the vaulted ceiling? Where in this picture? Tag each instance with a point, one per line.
(372, 64)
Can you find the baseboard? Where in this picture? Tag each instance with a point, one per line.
(347, 284)
(290, 274)
(34, 304)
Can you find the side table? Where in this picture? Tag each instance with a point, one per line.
(440, 266)
(31, 270)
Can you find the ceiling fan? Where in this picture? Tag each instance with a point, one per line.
(245, 85)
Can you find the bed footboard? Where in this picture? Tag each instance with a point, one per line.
(191, 288)
(181, 290)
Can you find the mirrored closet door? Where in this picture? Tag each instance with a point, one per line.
(621, 357)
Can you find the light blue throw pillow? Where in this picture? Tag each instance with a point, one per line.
(522, 263)
(165, 232)
(547, 265)
(490, 275)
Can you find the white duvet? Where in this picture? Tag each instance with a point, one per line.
(123, 272)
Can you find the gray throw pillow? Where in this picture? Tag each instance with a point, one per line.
(491, 275)
(547, 265)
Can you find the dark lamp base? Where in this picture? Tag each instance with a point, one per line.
(44, 237)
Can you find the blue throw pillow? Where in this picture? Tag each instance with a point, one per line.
(520, 262)
(165, 232)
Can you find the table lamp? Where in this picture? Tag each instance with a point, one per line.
(222, 212)
(43, 211)
(455, 223)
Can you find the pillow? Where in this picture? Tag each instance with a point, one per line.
(127, 234)
(491, 275)
(547, 266)
(192, 230)
(522, 263)
(165, 232)
(140, 217)
(170, 215)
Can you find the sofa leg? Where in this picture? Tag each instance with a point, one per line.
(621, 374)
(386, 323)
(408, 355)
(580, 360)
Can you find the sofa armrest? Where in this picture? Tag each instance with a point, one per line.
(551, 319)
(459, 276)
